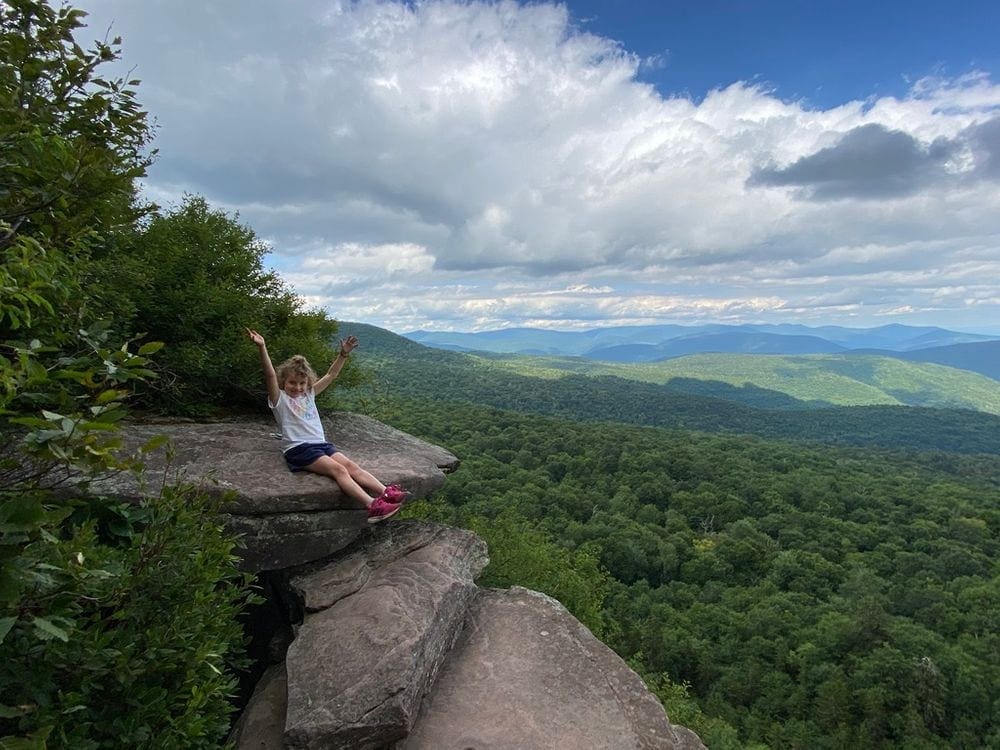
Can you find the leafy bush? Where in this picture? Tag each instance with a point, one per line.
(117, 623)
(522, 555)
(194, 279)
(683, 709)
(127, 630)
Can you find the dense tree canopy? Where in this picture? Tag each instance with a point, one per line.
(806, 596)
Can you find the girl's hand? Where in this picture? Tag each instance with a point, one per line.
(255, 337)
(348, 345)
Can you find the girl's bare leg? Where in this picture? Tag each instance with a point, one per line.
(339, 473)
(358, 474)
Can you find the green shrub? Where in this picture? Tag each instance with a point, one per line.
(523, 555)
(117, 623)
(194, 279)
(683, 710)
(127, 633)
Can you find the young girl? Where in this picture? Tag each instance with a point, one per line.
(291, 394)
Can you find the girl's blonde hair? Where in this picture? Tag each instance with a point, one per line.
(297, 365)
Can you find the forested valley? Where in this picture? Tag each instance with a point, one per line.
(775, 593)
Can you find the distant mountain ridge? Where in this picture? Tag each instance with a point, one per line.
(981, 356)
(631, 344)
(576, 388)
(892, 337)
(728, 342)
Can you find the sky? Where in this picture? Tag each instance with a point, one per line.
(473, 166)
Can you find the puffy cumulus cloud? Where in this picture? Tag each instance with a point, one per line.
(404, 159)
(352, 266)
(483, 306)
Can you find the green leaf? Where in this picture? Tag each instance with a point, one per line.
(94, 425)
(29, 421)
(151, 347)
(6, 623)
(107, 396)
(35, 741)
(46, 630)
(21, 514)
(9, 712)
(118, 527)
(49, 537)
(158, 441)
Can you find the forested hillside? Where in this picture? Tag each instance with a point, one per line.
(808, 597)
(775, 593)
(814, 379)
(981, 356)
(407, 368)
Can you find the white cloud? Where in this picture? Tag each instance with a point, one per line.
(416, 151)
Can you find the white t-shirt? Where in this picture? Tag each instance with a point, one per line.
(298, 419)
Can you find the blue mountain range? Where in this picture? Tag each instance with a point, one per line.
(968, 351)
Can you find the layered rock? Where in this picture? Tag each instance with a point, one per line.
(378, 625)
(282, 518)
(399, 649)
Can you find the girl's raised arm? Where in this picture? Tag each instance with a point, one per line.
(346, 347)
(270, 377)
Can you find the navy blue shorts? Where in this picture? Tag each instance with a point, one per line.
(301, 456)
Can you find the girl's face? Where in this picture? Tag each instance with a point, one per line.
(295, 385)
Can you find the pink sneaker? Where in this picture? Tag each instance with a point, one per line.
(381, 509)
(396, 494)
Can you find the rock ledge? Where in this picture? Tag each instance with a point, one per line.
(283, 519)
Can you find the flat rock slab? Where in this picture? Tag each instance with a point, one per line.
(380, 621)
(282, 519)
(527, 674)
(245, 458)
